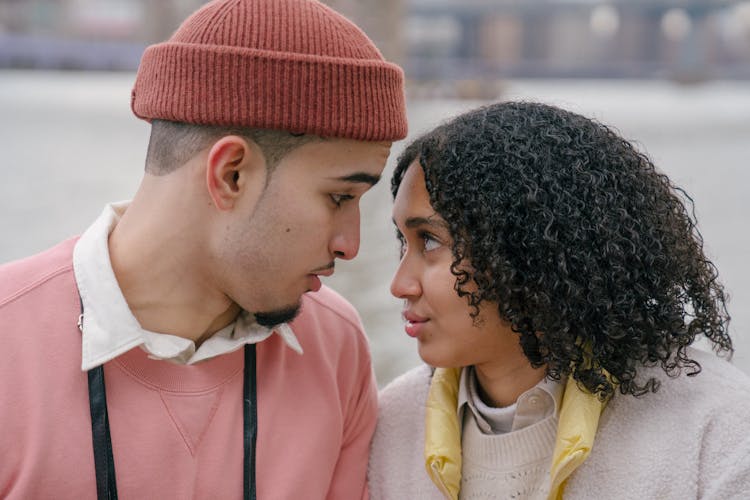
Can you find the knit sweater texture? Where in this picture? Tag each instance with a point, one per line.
(177, 429)
(690, 439)
(517, 462)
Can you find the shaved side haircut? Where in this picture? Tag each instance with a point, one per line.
(173, 143)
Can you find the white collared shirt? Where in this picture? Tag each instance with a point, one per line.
(109, 327)
(532, 406)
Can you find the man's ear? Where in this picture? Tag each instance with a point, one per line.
(232, 165)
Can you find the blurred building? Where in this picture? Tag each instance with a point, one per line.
(686, 40)
(85, 34)
(455, 43)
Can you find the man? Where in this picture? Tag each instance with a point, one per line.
(156, 356)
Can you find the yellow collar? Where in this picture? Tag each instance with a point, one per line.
(576, 429)
(442, 434)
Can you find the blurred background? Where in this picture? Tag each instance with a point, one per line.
(671, 75)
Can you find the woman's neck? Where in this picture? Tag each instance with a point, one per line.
(500, 385)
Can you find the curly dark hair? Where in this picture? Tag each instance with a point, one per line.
(589, 251)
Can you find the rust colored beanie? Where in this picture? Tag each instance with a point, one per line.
(292, 65)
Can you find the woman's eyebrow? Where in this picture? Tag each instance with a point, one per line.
(415, 222)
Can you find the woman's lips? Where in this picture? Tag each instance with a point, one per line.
(414, 323)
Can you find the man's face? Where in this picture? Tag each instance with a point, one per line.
(277, 247)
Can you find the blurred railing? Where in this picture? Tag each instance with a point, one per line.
(440, 43)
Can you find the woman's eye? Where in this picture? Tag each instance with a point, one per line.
(430, 243)
(401, 244)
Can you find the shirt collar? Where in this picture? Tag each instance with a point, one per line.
(109, 327)
(534, 405)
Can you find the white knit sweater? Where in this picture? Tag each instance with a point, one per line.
(691, 439)
(513, 465)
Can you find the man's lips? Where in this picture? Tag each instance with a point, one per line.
(326, 270)
(314, 283)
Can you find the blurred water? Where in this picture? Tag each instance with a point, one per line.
(70, 144)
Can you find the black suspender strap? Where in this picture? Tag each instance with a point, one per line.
(250, 419)
(106, 486)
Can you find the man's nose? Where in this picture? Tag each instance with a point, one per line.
(345, 241)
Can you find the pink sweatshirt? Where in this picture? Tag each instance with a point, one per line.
(177, 429)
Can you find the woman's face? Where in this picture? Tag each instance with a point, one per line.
(435, 315)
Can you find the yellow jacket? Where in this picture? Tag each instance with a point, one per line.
(576, 428)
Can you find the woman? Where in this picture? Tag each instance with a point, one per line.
(554, 282)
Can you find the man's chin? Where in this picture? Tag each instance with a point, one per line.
(277, 316)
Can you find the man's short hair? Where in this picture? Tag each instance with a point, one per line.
(172, 144)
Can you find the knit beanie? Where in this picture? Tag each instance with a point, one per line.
(292, 65)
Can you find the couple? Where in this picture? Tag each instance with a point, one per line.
(552, 278)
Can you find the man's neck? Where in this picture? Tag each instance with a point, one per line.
(158, 268)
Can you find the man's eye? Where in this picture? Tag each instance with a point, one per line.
(338, 199)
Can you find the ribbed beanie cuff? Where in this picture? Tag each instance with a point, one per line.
(291, 65)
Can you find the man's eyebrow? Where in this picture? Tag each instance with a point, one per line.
(360, 177)
(415, 222)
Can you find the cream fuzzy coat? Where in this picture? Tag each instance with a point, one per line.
(691, 439)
